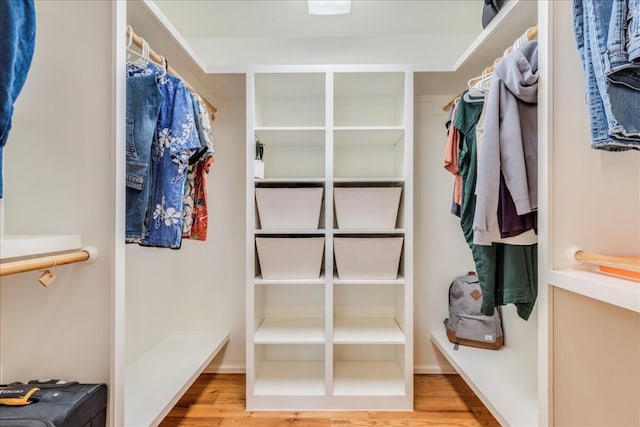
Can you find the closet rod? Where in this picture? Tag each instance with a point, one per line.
(530, 34)
(626, 263)
(138, 41)
(49, 261)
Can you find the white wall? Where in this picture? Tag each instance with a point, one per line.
(59, 179)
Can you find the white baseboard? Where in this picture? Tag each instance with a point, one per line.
(226, 369)
(433, 369)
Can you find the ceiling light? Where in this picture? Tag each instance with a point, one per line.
(329, 7)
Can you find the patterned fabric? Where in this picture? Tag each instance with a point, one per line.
(195, 200)
(175, 142)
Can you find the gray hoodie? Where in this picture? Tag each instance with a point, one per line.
(510, 140)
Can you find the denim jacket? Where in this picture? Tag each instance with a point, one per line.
(18, 29)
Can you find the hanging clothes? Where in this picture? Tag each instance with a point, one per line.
(508, 171)
(507, 273)
(144, 99)
(175, 142)
(18, 29)
(195, 200)
(607, 36)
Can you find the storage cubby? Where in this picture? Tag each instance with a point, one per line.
(369, 99)
(293, 153)
(368, 313)
(369, 153)
(370, 370)
(286, 314)
(313, 337)
(296, 370)
(289, 100)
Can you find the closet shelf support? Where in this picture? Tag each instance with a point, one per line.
(87, 254)
(627, 263)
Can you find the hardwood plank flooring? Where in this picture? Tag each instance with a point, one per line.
(219, 400)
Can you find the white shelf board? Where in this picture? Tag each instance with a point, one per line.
(339, 231)
(291, 136)
(487, 372)
(260, 281)
(156, 380)
(602, 287)
(398, 281)
(290, 378)
(367, 378)
(20, 245)
(259, 181)
(290, 330)
(290, 231)
(510, 23)
(369, 330)
(371, 180)
(368, 136)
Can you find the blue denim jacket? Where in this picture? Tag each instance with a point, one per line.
(18, 30)
(605, 39)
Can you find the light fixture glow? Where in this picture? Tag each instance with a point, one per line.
(329, 7)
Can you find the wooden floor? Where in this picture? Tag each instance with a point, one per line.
(219, 400)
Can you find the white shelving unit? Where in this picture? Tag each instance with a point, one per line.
(325, 342)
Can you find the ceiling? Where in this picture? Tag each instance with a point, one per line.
(233, 34)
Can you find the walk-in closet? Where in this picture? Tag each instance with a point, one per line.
(323, 304)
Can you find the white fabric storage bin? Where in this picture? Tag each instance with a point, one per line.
(367, 257)
(289, 208)
(367, 207)
(290, 257)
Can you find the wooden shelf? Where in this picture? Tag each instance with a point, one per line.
(488, 372)
(298, 330)
(370, 330)
(156, 380)
(368, 378)
(602, 287)
(21, 245)
(290, 378)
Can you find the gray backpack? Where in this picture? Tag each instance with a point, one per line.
(466, 324)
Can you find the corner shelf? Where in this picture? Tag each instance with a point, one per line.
(20, 245)
(487, 372)
(157, 379)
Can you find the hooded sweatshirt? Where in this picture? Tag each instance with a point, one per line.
(510, 140)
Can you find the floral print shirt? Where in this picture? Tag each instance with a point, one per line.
(175, 142)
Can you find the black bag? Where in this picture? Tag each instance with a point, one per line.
(466, 325)
(53, 405)
(490, 10)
